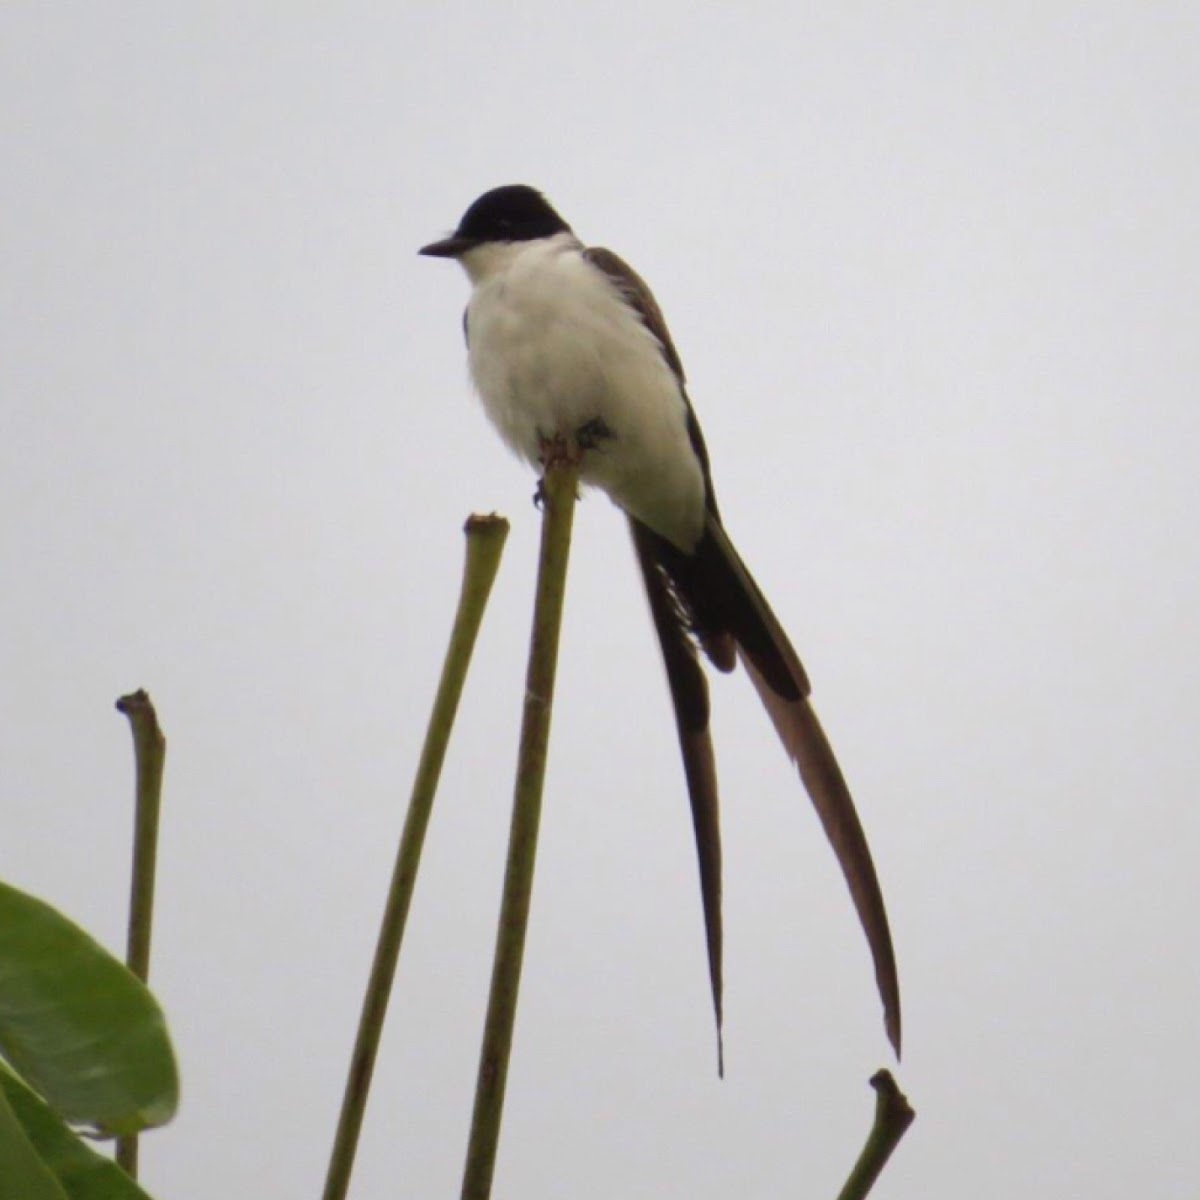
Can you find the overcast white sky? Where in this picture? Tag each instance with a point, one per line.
(935, 273)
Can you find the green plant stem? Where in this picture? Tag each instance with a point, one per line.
(893, 1116)
(149, 750)
(558, 491)
(485, 544)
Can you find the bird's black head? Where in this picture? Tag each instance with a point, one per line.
(514, 213)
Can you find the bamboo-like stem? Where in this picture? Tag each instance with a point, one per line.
(485, 544)
(558, 492)
(149, 750)
(893, 1116)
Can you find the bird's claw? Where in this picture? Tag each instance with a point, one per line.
(570, 448)
(558, 448)
(591, 433)
(539, 495)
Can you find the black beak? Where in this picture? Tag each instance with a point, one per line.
(452, 247)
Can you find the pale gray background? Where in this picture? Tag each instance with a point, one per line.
(934, 273)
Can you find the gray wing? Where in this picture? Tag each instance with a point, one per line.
(641, 299)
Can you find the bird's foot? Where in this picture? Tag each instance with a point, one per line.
(559, 449)
(591, 434)
(539, 493)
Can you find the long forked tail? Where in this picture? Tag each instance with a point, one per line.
(713, 597)
(689, 696)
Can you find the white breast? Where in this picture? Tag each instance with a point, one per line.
(552, 346)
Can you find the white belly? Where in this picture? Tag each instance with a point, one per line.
(552, 346)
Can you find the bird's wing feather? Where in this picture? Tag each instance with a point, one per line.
(637, 294)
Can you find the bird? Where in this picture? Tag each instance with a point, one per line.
(566, 340)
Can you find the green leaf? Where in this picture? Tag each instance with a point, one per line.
(23, 1175)
(82, 1174)
(77, 1026)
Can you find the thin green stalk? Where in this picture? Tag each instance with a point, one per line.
(485, 543)
(149, 750)
(558, 491)
(893, 1116)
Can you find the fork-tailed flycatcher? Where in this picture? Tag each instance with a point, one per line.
(567, 340)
